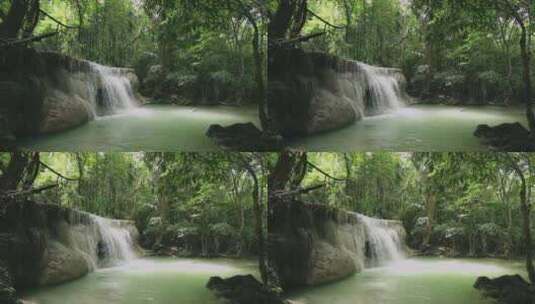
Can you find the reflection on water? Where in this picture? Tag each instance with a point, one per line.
(148, 280)
(411, 281)
(415, 128)
(149, 128)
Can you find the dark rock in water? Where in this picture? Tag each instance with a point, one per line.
(243, 137)
(512, 137)
(243, 289)
(507, 289)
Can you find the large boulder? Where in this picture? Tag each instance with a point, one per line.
(243, 289)
(312, 244)
(243, 137)
(45, 244)
(45, 92)
(507, 289)
(63, 264)
(513, 137)
(313, 92)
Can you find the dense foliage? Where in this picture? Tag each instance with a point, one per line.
(183, 51)
(201, 204)
(462, 203)
(465, 50)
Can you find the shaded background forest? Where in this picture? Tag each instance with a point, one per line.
(450, 51)
(453, 204)
(184, 204)
(182, 51)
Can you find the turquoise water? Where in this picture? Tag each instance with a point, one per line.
(411, 281)
(146, 280)
(148, 128)
(415, 128)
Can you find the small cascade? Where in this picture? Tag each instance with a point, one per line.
(102, 242)
(383, 243)
(116, 242)
(112, 92)
(384, 90)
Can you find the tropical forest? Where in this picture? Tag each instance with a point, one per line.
(129, 75)
(130, 227)
(402, 75)
(402, 227)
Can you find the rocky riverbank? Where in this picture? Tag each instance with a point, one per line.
(45, 244)
(45, 92)
(312, 92)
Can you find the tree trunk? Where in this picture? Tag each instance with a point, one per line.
(14, 19)
(259, 223)
(14, 173)
(430, 206)
(259, 76)
(527, 77)
(526, 225)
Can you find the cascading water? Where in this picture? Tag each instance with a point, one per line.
(382, 242)
(116, 241)
(102, 242)
(384, 90)
(112, 91)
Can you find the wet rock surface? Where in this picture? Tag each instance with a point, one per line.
(312, 244)
(243, 137)
(508, 289)
(243, 289)
(47, 92)
(313, 92)
(511, 137)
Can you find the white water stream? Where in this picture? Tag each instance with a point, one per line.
(384, 243)
(111, 91)
(103, 242)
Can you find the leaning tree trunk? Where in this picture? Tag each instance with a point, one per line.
(527, 77)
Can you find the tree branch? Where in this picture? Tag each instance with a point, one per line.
(7, 42)
(28, 191)
(338, 27)
(57, 21)
(300, 39)
(325, 173)
(298, 191)
(57, 173)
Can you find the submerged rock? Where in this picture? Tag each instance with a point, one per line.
(243, 289)
(507, 289)
(243, 137)
(513, 137)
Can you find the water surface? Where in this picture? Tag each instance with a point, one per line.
(146, 280)
(415, 128)
(147, 128)
(412, 281)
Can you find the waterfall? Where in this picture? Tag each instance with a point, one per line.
(116, 241)
(102, 242)
(384, 90)
(112, 91)
(383, 243)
